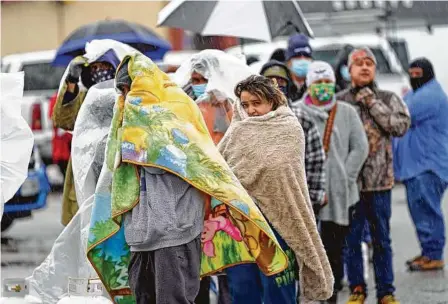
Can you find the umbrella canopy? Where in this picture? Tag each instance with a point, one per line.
(263, 20)
(16, 141)
(136, 35)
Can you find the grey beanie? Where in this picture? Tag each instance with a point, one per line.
(362, 52)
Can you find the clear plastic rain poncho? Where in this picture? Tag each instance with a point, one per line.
(97, 48)
(16, 137)
(68, 257)
(223, 72)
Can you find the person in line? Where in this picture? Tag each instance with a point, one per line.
(69, 100)
(167, 208)
(421, 163)
(346, 148)
(264, 147)
(341, 71)
(215, 100)
(61, 142)
(299, 55)
(343, 81)
(384, 115)
(314, 151)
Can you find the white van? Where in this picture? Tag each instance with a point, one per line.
(390, 73)
(41, 82)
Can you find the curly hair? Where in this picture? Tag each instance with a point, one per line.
(264, 88)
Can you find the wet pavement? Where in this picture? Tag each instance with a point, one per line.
(28, 241)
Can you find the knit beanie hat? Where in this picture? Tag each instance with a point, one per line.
(360, 53)
(275, 68)
(299, 45)
(319, 70)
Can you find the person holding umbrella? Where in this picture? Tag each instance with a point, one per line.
(97, 65)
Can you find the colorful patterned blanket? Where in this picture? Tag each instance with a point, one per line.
(158, 125)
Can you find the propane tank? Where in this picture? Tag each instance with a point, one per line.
(85, 291)
(16, 291)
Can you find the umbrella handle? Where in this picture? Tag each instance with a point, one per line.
(288, 23)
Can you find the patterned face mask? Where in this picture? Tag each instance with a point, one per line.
(323, 92)
(101, 75)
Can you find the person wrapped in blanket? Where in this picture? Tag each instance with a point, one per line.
(264, 147)
(166, 201)
(97, 65)
(314, 151)
(168, 177)
(209, 78)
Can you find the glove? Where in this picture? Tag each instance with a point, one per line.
(365, 95)
(75, 69)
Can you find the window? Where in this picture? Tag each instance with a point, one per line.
(329, 55)
(42, 76)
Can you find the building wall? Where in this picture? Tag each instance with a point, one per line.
(28, 26)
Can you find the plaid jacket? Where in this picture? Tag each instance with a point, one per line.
(314, 157)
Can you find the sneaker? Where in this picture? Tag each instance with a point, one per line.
(413, 260)
(389, 299)
(358, 296)
(426, 264)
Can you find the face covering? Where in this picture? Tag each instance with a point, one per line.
(199, 89)
(323, 92)
(428, 73)
(102, 75)
(417, 83)
(300, 67)
(345, 73)
(284, 89)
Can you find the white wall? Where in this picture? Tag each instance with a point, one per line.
(432, 46)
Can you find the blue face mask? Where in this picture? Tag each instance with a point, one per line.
(345, 73)
(199, 89)
(300, 67)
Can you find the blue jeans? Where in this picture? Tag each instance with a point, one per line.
(366, 237)
(376, 208)
(248, 285)
(424, 193)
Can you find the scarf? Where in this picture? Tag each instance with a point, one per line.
(266, 153)
(158, 125)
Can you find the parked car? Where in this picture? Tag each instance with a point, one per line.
(41, 82)
(390, 73)
(31, 195)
